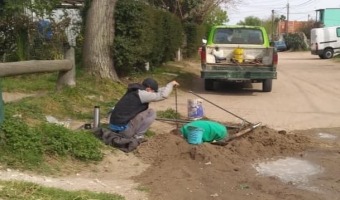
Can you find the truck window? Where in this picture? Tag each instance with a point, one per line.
(338, 32)
(223, 36)
(238, 36)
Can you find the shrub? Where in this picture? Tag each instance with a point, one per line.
(144, 34)
(194, 34)
(296, 41)
(26, 146)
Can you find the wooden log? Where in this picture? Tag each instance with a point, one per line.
(34, 66)
(66, 68)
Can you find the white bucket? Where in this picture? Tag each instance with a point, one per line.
(195, 109)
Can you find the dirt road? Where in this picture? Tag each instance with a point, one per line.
(305, 95)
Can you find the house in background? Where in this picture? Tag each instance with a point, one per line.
(290, 26)
(328, 17)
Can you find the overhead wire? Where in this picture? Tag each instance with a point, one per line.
(252, 8)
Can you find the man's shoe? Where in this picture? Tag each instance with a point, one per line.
(98, 132)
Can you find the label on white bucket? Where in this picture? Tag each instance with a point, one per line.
(195, 109)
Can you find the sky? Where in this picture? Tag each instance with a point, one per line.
(299, 10)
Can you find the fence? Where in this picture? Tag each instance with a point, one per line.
(66, 68)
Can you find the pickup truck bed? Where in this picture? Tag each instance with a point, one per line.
(253, 62)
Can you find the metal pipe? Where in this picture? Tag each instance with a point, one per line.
(220, 107)
(173, 120)
(96, 117)
(188, 121)
(176, 107)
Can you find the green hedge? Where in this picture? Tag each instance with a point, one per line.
(144, 34)
(194, 34)
(295, 42)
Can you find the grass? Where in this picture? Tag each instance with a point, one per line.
(15, 190)
(337, 58)
(169, 114)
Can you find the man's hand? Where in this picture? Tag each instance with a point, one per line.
(175, 83)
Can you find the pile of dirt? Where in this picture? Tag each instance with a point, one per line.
(205, 171)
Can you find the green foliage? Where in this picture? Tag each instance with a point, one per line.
(251, 21)
(295, 41)
(24, 146)
(143, 34)
(132, 39)
(19, 144)
(14, 37)
(30, 191)
(20, 36)
(60, 141)
(172, 36)
(168, 114)
(194, 34)
(216, 17)
(149, 134)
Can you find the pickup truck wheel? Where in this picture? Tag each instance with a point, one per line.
(267, 85)
(328, 53)
(209, 84)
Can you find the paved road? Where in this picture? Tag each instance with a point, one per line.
(305, 95)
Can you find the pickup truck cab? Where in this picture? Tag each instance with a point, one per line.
(238, 54)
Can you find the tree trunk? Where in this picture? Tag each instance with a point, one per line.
(99, 35)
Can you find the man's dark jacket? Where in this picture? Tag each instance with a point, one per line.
(128, 106)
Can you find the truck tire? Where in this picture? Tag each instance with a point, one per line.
(209, 84)
(328, 53)
(267, 85)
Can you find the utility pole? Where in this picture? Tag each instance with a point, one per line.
(287, 18)
(272, 25)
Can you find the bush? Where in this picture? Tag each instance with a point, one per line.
(22, 145)
(194, 34)
(296, 41)
(143, 34)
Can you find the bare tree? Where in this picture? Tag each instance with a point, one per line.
(99, 36)
(188, 10)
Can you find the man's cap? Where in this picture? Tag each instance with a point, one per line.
(151, 83)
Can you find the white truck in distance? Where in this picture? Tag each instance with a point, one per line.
(325, 42)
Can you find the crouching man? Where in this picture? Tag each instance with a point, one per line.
(131, 116)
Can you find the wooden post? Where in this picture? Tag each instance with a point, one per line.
(68, 77)
(179, 55)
